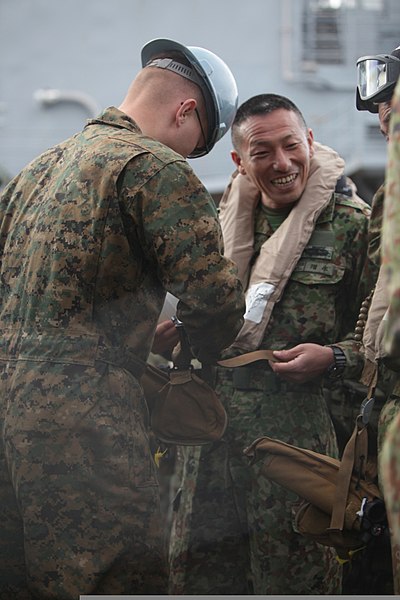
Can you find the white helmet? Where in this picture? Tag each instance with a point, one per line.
(210, 73)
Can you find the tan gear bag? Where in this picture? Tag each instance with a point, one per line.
(341, 506)
(184, 409)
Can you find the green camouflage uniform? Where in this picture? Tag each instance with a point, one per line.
(345, 395)
(92, 234)
(390, 417)
(233, 532)
(386, 401)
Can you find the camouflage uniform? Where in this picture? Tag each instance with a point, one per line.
(92, 233)
(345, 395)
(390, 418)
(233, 531)
(390, 475)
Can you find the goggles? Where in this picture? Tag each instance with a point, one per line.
(377, 77)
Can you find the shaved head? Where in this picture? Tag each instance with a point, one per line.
(167, 107)
(164, 85)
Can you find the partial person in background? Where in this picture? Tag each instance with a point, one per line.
(370, 571)
(362, 358)
(93, 234)
(377, 77)
(295, 227)
(390, 454)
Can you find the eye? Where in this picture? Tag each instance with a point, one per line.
(260, 154)
(292, 146)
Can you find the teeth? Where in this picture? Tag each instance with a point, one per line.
(283, 180)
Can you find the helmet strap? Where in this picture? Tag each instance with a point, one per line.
(176, 67)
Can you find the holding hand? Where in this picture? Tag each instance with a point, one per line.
(165, 338)
(303, 362)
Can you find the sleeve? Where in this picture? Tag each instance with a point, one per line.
(5, 215)
(361, 279)
(362, 274)
(181, 235)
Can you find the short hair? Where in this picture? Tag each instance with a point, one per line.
(262, 104)
(180, 58)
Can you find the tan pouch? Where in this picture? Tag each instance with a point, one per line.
(185, 410)
(341, 507)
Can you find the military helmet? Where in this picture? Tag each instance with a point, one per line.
(210, 73)
(376, 79)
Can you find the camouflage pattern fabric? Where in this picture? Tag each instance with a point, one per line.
(232, 531)
(388, 413)
(92, 234)
(355, 358)
(375, 225)
(390, 479)
(391, 230)
(344, 396)
(83, 481)
(390, 418)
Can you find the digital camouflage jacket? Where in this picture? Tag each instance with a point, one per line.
(92, 234)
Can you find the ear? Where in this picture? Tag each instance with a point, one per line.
(238, 162)
(185, 110)
(310, 141)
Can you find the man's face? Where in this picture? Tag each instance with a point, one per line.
(384, 111)
(275, 152)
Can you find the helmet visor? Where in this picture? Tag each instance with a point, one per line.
(375, 74)
(372, 77)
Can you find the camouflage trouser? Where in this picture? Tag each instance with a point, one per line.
(79, 502)
(344, 400)
(232, 530)
(389, 474)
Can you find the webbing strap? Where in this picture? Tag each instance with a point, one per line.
(356, 448)
(249, 357)
(355, 455)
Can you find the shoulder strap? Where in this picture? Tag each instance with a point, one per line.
(353, 461)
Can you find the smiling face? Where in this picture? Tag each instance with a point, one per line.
(275, 150)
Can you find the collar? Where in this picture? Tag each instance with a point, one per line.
(115, 118)
(328, 213)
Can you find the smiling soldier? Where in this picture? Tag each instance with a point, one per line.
(298, 233)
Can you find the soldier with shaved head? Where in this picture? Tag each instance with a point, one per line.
(93, 234)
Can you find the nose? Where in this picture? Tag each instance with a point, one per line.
(281, 160)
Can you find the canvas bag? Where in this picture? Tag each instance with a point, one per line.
(183, 408)
(341, 506)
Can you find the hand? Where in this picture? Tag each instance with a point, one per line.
(165, 339)
(303, 362)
